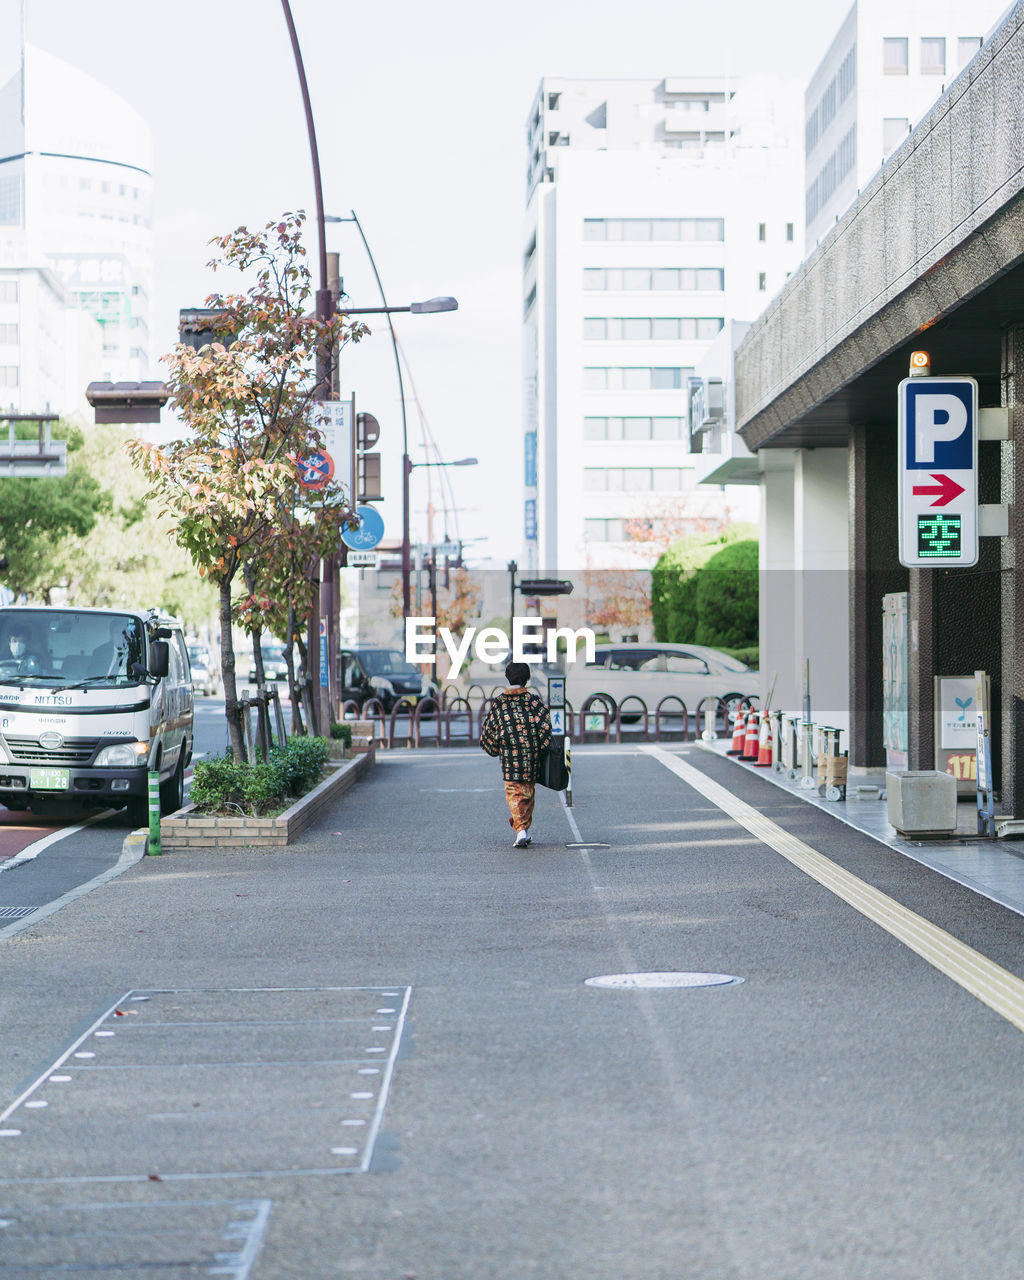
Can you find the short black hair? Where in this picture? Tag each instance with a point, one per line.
(518, 673)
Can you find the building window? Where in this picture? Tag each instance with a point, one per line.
(651, 328)
(966, 48)
(639, 229)
(8, 375)
(894, 130)
(553, 101)
(827, 106)
(811, 132)
(762, 281)
(894, 55)
(762, 231)
(604, 530)
(9, 335)
(634, 378)
(645, 279)
(789, 232)
(529, 300)
(633, 429)
(933, 55)
(10, 201)
(8, 291)
(848, 75)
(635, 479)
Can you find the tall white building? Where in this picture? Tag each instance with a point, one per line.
(75, 236)
(656, 211)
(885, 68)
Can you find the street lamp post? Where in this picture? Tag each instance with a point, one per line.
(325, 605)
(416, 308)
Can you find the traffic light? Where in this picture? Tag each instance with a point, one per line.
(199, 326)
(545, 587)
(127, 401)
(367, 464)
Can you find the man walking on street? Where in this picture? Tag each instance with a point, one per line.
(518, 729)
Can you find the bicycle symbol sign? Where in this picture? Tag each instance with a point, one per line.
(316, 470)
(369, 532)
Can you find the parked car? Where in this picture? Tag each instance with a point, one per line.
(274, 665)
(205, 675)
(690, 672)
(367, 671)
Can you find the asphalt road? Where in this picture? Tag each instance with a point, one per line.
(376, 1053)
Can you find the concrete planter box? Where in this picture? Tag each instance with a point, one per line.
(188, 829)
(922, 802)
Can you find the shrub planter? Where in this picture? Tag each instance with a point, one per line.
(188, 829)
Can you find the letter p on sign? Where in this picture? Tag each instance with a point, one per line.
(938, 417)
(938, 472)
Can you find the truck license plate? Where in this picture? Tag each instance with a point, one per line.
(50, 779)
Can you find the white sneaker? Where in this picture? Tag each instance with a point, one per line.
(522, 840)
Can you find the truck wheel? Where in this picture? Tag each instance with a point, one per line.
(172, 792)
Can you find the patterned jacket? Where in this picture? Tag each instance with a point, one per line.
(518, 728)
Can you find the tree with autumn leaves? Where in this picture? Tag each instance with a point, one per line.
(231, 486)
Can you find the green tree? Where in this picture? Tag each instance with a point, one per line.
(37, 515)
(248, 405)
(129, 556)
(727, 597)
(674, 609)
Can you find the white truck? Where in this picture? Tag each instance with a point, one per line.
(90, 701)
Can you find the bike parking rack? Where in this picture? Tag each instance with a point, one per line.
(659, 713)
(632, 697)
(601, 701)
(455, 708)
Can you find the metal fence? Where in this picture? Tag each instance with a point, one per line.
(454, 721)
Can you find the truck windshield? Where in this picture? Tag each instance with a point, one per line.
(70, 646)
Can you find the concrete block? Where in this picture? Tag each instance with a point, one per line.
(921, 802)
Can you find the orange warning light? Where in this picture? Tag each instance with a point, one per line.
(920, 364)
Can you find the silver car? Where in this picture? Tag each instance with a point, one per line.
(652, 672)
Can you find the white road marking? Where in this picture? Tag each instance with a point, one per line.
(993, 985)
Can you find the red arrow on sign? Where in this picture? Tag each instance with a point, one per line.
(946, 490)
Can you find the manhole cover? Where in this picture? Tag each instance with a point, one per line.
(649, 981)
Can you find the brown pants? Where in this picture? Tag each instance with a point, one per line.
(520, 797)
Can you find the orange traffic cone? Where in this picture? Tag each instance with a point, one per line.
(764, 748)
(739, 733)
(750, 741)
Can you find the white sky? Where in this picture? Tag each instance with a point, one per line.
(420, 112)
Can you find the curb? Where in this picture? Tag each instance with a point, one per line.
(188, 830)
(131, 852)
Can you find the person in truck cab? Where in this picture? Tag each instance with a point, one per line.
(22, 652)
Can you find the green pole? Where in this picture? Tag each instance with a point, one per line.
(153, 844)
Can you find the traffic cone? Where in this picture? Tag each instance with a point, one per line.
(750, 741)
(739, 733)
(764, 747)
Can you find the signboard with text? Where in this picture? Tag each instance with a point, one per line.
(938, 472)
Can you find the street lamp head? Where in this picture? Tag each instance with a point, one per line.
(464, 462)
(434, 304)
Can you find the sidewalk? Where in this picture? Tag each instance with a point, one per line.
(993, 868)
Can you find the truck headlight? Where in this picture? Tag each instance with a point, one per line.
(123, 755)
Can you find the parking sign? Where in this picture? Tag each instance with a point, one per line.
(938, 476)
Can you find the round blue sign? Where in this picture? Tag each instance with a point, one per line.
(369, 533)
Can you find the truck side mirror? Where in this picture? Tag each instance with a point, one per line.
(159, 658)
